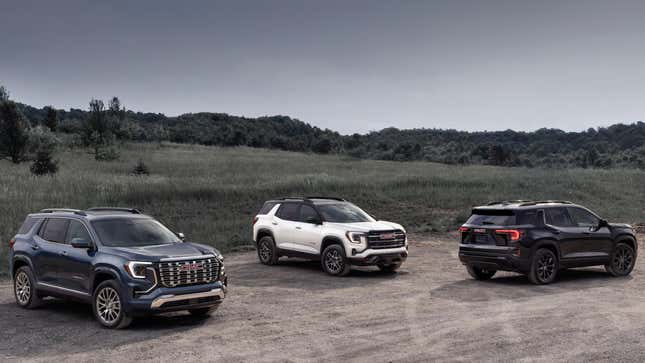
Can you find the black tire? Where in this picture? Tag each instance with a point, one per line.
(544, 267)
(267, 252)
(622, 260)
(389, 268)
(334, 261)
(24, 288)
(203, 311)
(480, 273)
(107, 305)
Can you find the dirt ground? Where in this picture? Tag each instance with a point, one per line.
(429, 311)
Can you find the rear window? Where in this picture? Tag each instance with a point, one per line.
(503, 217)
(54, 230)
(266, 208)
(289, 212)
(28, 225)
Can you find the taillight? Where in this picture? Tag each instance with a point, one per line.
(463, 229)
(255, 219)
(513, 234)
(12, 242)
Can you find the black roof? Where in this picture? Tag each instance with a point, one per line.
(95, 212)
(526, 204)
(311, 199)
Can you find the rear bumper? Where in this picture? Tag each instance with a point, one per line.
(375, 257)
(494, 257)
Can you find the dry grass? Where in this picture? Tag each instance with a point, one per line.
(212, 193)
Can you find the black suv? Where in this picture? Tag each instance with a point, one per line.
(122, 262)
(540, 238)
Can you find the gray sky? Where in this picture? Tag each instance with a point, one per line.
(352, 66)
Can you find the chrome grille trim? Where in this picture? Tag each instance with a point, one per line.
(374, 240)
(175, 273)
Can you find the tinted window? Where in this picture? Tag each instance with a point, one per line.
(492, 217)
(558, 217)
(343, 213)
(55, 230)
(28, 225)
(133, 232)
(77, 230)
(583, 218)
(289, 212)
(527, 217)
(308, 214)
(266, 208)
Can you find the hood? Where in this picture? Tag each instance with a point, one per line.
(620, 225)
(155, 253)
(367, 226)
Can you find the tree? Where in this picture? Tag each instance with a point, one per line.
(51, 118)
(13, 131)
(4, 94)
(323, 146)
(44, 164)
(97, 132)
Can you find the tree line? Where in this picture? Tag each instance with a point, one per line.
(100, 128)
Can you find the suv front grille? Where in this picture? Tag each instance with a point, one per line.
(386, 239)
(189, 272)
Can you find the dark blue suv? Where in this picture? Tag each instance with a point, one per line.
(124, 263)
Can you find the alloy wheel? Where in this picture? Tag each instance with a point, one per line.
(334, 261)
(108, 305)
(545, 267)
(23, 288)
(265, 252)
(623, 259)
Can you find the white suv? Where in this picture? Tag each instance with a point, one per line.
(331, 230)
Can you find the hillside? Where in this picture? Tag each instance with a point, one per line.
(619, 145)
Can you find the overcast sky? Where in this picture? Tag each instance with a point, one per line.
(351, 66)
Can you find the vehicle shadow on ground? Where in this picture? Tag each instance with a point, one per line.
(305, 274)
(31, 333)
(516, 286)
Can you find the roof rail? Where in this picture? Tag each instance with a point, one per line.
(114, 209)
(510, 202)
(553, 201)
(330, 198)
(64, 210)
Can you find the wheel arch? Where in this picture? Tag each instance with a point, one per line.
(627, 239)
(263, 232)
(18, 262)
(549, 244)
(328, 241)
(103, 273)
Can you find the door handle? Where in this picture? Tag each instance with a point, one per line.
(298, 227)
(35, 247)
(62, 253)
(274, 223)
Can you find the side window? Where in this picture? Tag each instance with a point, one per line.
(289, 212)
(308, 214)
(54, 230)
(583, 218)
(527, 217)
(266, 208)
(77, 230)
(558, 217)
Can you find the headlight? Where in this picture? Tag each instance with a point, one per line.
(137, 269)
(356, 237)
(218, 256)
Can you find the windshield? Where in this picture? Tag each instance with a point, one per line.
(133, 233)
(343, 213)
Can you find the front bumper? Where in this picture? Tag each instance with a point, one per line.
(371, 257)
(502, 258)
(164, 299)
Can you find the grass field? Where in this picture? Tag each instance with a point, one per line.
(212, 193)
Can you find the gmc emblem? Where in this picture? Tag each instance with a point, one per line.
(387, 236)
(191, 267)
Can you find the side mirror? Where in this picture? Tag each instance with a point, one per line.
(603, 223)
(181, 236)
(81, 243)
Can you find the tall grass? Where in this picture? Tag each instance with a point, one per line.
(212, 193)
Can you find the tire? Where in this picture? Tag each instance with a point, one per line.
(203, 311)
(107, 305)
(480, 273)
(622, 260)
(544, 267)
(334, 261)
(24, 289)
(267, 253)
(389, 268)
